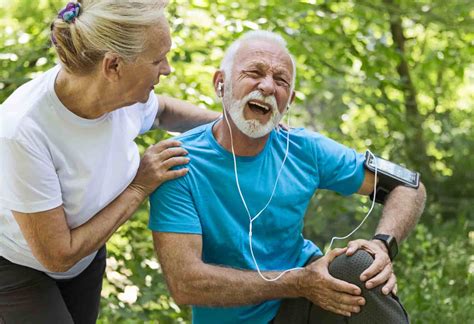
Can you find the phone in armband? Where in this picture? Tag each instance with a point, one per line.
(390, 175)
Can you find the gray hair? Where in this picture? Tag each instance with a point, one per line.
(263, 35)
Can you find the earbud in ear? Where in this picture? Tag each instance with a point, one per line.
(219, 89)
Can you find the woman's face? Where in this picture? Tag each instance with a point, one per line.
(140, 77)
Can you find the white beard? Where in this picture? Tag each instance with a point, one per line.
(251, 127)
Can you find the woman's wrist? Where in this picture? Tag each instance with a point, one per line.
(139, 191)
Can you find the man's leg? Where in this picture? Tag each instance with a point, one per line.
(379, 308)
(302, 311)
(29, 296)
(82, 293)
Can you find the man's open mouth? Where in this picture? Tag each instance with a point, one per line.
(259, 107)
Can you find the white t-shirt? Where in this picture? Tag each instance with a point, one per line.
(51, 157)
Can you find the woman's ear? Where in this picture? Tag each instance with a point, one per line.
(112, 66)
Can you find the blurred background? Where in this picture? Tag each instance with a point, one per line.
(394, 76)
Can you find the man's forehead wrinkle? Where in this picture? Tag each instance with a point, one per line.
(254, 59)
(260, 55)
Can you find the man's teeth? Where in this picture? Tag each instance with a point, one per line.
(260, 105)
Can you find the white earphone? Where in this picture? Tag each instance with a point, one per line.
(219, 89)
(368, 213)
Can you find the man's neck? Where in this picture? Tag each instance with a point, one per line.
(243, 145)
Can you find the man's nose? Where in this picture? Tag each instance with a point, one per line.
(267, 86)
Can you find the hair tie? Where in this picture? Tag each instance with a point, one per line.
(69, 13)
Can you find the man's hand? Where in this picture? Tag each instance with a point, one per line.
(381, 271)
(329, 293)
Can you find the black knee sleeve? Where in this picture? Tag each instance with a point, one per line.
(379, 308)
(349, 268)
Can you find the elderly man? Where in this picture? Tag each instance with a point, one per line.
(225, 232)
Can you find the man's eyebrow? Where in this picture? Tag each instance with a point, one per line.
(263, 66)
(282, 72)
(256, 65)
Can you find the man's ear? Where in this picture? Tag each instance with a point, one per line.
(218, 81)
(293, 93)
(112, 66)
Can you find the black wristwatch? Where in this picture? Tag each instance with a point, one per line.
(390, 243)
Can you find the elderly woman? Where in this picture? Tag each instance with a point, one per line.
(70, 171)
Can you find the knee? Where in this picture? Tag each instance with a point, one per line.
(349, 268)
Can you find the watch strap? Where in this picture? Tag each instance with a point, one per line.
(390, 243)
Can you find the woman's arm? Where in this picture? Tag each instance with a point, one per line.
(58, 248)
(178, 116)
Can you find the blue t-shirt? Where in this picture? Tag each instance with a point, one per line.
(206, 201)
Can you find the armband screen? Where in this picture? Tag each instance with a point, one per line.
(390, 175)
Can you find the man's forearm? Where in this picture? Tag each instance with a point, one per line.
(401, 212)
(178, 116)
(191, 281)
(212, 285)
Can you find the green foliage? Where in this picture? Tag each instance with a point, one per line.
(435, 277)
(135, 290)
(350, 86)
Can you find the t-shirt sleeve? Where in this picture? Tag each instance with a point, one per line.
(340, 168)
(172, 209)
(29, 179)
(149, 113)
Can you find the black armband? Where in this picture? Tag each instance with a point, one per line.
(390, 175)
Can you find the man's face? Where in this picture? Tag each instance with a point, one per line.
(259, 89)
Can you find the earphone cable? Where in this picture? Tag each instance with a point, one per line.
(368, 213)
(251, 220)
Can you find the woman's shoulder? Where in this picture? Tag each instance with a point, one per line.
(19, 110)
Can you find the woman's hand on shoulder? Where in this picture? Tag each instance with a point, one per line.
(156, 163)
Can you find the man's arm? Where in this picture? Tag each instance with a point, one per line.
(178, 116)
(191, 281)
(400, 214)
(402, 208)
(402, 211)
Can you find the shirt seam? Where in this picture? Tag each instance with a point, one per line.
(32, 207)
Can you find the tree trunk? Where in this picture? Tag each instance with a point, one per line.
(414, 139)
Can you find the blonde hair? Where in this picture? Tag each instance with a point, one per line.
(102, 26)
